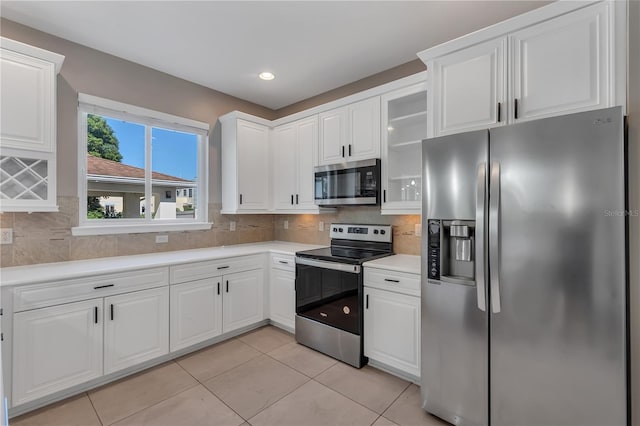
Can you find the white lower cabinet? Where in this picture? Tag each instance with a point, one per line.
(392, 329)
(282, 297)
(196, 312)
(136, 328)
(55, 348)
(243, 299)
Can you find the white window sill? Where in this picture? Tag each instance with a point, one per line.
(138, 228)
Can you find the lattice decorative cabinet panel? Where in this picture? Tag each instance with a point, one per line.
(27, 127)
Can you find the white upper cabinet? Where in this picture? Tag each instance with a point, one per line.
(295, 147)
(351, 132)
(559, 59)
(28, 127)
(245, 164)
(333, 136)
(561, 65)
(469, 87)
(404, 125)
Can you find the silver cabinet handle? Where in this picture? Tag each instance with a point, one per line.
(494, 236)
(481, 205)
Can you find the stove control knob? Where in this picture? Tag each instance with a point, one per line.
(335, 229)
(382, 232)
(340, 229)
(375, 231)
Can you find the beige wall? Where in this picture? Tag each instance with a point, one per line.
(383, 77)
(46, 237)
(633, 112)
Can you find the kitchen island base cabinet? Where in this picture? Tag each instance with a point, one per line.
(56, 348)
(196, 312)
(392, 329)
(136, 328)
(243, 299)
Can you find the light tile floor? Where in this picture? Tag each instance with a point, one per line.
(261, 378)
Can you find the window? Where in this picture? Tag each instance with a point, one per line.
(132, 161)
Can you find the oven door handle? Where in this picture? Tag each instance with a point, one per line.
(336, 266)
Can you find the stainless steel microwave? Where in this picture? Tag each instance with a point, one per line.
(347, 184)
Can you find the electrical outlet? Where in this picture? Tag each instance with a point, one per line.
(286, 224)
(418, 229)
(162, 239)
(6, 235)
(232, 225)
(320, 226)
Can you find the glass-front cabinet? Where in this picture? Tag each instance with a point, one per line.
(404, 120)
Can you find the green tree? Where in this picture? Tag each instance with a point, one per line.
(101, 139)
(103, 143)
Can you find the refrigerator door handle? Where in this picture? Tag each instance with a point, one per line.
(494, 234)
(481, 204)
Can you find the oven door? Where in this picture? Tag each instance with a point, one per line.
(355, 183)
(329, 293)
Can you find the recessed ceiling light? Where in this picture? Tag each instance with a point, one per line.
(266, 75)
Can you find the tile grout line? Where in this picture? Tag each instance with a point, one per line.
(281, 398)
(210, 391)
(94, 408)
(394, 401)
(359, 403)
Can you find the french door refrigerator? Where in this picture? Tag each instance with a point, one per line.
(524, 304)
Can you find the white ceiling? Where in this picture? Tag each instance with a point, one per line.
(312, 47)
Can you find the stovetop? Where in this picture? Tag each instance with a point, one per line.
(343, 254)
(354, 244)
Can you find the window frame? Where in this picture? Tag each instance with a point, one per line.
(88, 104)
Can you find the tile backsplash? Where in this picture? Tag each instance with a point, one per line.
(46, 237)
(305, 228)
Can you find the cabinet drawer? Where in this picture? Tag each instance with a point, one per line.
(57, 292)
(211, 268)
(400, 282)
(284, 262)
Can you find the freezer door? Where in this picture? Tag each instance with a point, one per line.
(454, 357)
(557, 264)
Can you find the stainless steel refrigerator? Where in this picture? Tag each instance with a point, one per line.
(524, 306)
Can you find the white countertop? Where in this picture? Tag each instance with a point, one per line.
(398, 262)
(42, 272)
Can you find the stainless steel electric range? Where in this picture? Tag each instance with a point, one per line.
(329, 294)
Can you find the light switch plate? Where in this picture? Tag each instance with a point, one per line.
(286, 224)
(162, 239)
(6, 235)
(232, 225)
(418, 229)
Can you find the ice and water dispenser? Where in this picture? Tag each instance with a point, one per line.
(451, 246)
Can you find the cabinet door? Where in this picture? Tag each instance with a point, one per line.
(333, 136)
(242, 299)
(136, 328)
(27, 103)
(467, 87)
(404, 114)
(392, 329)
(284, 166)
(196, 312)
(561, 66)
(363, 141)
(56, 348)
(253, 166)
(282, 297)
(307, 160)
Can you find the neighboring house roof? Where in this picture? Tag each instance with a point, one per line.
(102, 167)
